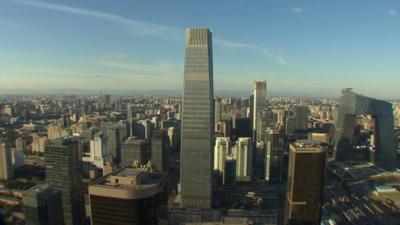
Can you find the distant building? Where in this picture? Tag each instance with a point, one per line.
(133, 150)
(159, 150)
(305, 183)
(197, 120)
(321, 137)
(98, 150)
(301, 114)
(63, 173)
(244, 159)
(42, 206)
(6, 167)
(260, 103)
(38, 143)
(127, 196)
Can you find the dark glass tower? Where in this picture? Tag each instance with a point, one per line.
(63, 173)
(159, 150)
(305, 183)
(197, 120)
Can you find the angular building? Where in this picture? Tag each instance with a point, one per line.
(6, 167)
(197, 120)
(305, 183)
(352, 105)
(42, 206)
(127, 196)
(260, 102)
(63, 173)
(159, 150)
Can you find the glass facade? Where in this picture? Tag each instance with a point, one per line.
(352, 105)
(197, 120)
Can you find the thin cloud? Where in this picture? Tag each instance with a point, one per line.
(392, 12)
(142, 28)
(276, 58)
(115, 56)
(146, 69)
(297, 9)
(138, 26)
(230, 44)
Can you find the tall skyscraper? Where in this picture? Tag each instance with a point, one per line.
(6, 167)
(218, 110)
(129, 118)
(221, 149)
(244, 159)
(42, 206)
(274, 148)
(197, 120)
(63, 172)
(159, 150)
(305, 182)
(260, 102)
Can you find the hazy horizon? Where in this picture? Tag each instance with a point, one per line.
(304, 47)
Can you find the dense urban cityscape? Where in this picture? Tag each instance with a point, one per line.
(199, 159)
(196, 158)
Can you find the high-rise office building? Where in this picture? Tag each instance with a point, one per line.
(305, 182)
(274, 148)
(63, 172)
(301, 114)
(129, 118)
(111, 131)
(217, 110)
(259, 105)
(42, 206)
(244, 159)
(352, 105)
(221, 149)
(6, 167)
(127, 196)
(99, 155)
(133, 150)
(197, 120)
(159, 150)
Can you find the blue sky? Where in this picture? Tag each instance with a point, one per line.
(310, 47)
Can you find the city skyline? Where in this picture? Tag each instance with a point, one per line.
(297, 47)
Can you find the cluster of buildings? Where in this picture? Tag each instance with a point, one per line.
(195, 159)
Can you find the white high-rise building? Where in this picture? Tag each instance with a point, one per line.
(221, 149)
(6, 168)
(98, 151)
(244, 159)
(260, 102)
